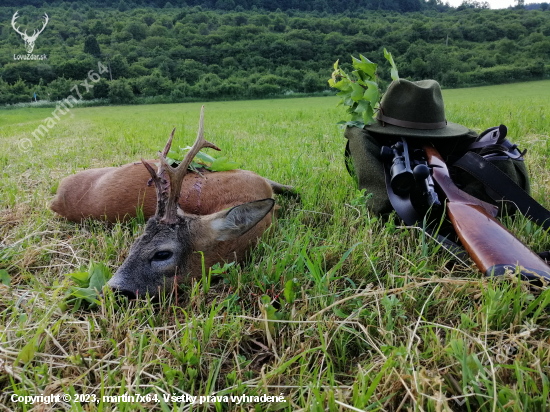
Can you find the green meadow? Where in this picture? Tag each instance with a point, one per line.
(375, 318)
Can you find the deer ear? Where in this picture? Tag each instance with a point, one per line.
(232, 223)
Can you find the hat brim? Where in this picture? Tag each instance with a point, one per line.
(451, 130)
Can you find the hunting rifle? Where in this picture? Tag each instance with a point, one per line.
(493, 248)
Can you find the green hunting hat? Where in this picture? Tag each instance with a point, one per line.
(415, 109)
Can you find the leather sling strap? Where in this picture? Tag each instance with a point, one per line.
(505, 188)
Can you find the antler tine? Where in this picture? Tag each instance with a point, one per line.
(162, 185)
(168, 144)
(177, 174)
(200, 143)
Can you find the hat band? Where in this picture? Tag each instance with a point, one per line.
(411, 125)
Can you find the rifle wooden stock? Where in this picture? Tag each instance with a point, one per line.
(491, 246)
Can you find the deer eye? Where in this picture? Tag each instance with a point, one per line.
(162, 255)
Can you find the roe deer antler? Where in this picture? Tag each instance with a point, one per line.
(168, 192)
(162, 185)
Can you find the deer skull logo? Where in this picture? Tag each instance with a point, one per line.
(29, 40)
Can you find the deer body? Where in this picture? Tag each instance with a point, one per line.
(221, 214)
(116, 193)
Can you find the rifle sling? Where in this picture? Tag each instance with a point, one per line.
(505, 188)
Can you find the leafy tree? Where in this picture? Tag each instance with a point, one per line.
(419, 68)
(450, 79)
(158, 30)
(475, 4)
(311, 82)
(225, 4)
(263, 90)
(208, 86)
(120, 91)
(137, 70)
(153, 85)
(149, 19)
(101, 89)
(119, 66)
(137, 29)
(29, 72)
(99, 28)
(279, 24)
(60, 89)
(541, 48)
(121, 37)
(77, 68)
(180, 91)
(122, 6)
(409, 5)
(190, 70)
(91, 46)
(17, 92)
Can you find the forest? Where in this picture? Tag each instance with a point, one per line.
(332, 6)
(238, 49)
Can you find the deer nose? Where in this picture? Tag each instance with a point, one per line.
(125, 293)
(121, 287)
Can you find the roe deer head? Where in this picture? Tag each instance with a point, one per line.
(165, 254)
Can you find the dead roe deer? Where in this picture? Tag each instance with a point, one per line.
(221, 214)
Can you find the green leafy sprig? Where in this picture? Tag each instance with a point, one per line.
(202, 160)
(359, 90)
(90, 284)
(393, 73)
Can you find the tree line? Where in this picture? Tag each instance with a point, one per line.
(331, 6)
(190, 52)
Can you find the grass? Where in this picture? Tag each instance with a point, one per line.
(373, 320)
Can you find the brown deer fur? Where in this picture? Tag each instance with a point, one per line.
(114, 193)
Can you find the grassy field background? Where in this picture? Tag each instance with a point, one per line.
(378, 321)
